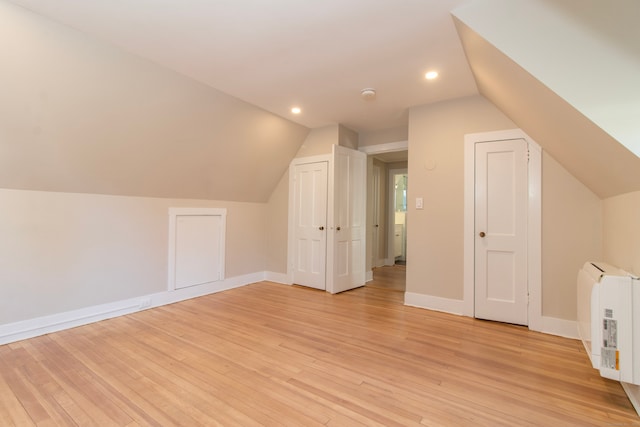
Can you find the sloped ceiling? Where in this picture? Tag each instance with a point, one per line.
(273, 54)
(192, 99)
(77, 115)
(574, 137)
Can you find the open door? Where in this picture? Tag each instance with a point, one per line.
(347, 250)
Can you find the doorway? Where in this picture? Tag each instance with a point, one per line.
(383, 271)
(390, 274)
(397, 247)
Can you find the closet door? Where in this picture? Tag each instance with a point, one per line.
(310, 224)
(501, 289)
(347, 246)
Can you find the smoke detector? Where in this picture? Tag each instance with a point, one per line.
(368, 94)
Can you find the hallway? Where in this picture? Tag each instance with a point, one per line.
(389, 277)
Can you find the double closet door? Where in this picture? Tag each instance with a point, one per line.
(327, 211)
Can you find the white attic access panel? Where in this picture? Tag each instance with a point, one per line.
(196, 246)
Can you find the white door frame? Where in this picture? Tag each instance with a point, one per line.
(376, 175)
(534, 222)
(388, 147)
(391, 214)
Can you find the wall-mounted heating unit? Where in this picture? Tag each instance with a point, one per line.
(609, 320)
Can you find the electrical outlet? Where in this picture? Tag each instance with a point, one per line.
(144, 303)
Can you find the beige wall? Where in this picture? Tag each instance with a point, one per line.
(319, 141)
(77, 115)
(277, 227)
(65, 251)
(398, 165)
(571, 236)
(622, 231)
(347, 137)
(383, 136)
(434, 234)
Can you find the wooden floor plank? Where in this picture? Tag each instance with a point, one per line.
(269, 354)
(12, 412)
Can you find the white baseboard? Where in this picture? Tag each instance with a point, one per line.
(12, 332)
(282, 278)
(633, 392)
(560, 327)
(368, 276)
(550, 325)
(430, 302)
(380, 262)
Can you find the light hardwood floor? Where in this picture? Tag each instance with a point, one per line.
(269, 354)
(389, 277)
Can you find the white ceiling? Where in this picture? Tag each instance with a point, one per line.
(278, 53)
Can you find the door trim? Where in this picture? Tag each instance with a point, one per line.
(391, 213)
(534, 222)
(371, 150)
(376, 216)
(388, 147)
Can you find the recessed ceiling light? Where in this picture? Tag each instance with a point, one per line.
(296, 110)
(431, 75)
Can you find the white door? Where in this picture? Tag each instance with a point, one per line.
(501, 291)
(197, 250)
(310, 224)
(348, 250)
